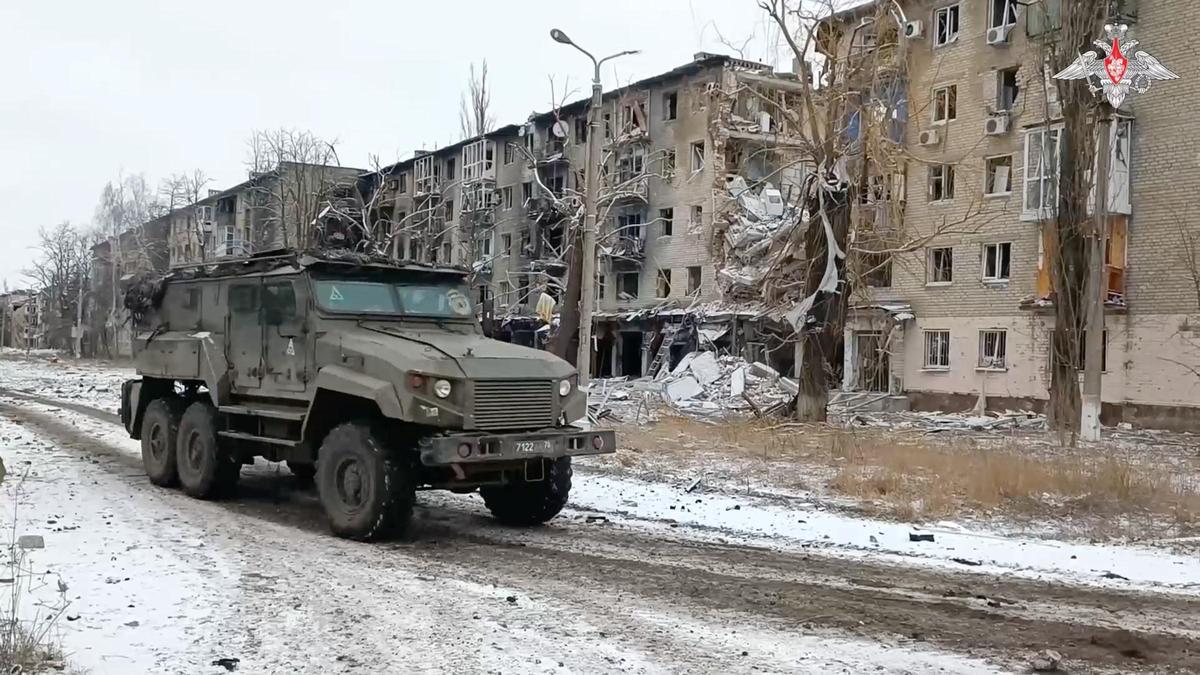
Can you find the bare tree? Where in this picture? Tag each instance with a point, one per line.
(61, 272)
(474, 114)
(295, 175)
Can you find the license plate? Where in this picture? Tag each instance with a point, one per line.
(533, 446)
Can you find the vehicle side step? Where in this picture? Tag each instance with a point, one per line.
(278, 413)
(243, 436)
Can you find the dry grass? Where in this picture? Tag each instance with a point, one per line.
(912, 476)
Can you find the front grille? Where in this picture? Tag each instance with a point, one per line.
(514, 404)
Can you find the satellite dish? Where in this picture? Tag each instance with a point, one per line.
(560, 129)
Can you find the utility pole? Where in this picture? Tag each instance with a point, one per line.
(587, 292)
(1097, 289)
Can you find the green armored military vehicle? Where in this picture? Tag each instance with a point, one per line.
(371, 377)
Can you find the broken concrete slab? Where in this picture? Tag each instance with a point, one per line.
(683, 389)
(684, 363)
(737, 383)
(705, 368)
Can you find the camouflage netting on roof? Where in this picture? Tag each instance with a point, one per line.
(144, 294)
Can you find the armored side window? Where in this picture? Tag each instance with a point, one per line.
(279, 303)
(243, 298)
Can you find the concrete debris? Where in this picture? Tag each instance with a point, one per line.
(683, 389)
(937, 422)
(705, 368)
(1047, 661)
(702, 384)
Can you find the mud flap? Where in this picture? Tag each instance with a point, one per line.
(130, 413)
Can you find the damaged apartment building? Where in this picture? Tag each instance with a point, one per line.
(967, 312)
(677, 148)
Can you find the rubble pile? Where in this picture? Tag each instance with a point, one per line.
(761, 224)
(936, 422)
(702, 384)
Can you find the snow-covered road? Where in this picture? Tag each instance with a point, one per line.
(663, 582)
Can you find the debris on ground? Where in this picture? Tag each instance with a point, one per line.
(1047, 661)
(917, 536)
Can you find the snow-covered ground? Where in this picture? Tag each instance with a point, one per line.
(162, 583)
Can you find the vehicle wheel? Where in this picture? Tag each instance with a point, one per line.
(366, 487)
(304, 473)
(525, 503)
(206, 471)
(160, 428)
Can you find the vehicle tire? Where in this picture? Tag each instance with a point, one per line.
(367, 488)
(206, 470)
(160, 429)
(523, 503)
(304, 473)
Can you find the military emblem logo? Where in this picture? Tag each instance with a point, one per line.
(1116, 74)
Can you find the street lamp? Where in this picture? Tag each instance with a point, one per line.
(587, 285)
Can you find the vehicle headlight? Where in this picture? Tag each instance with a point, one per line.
(441, 389)
(564, 387)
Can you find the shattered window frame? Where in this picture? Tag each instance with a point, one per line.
(1041, 170)
(663, 283)
(669, 161)
(623, 285)
(990, 165)
(997, 262)
(510, 154)
(506, 243)
(695, 279)
(993, 349)
(699, 157)
(940, 266)
(941, 182)
(1002, 13)
(670, 105)
(947, 25)
(506, 197)
(666, 218)
(937, 350)
(945, 103)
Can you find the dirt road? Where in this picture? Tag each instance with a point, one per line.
(599, 597)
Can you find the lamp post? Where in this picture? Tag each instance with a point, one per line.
(587, 272)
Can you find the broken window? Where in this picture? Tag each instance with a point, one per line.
(664, 284)
(1001, 13)
(631, 165)
(1042, 163)
(877, 270)
(526, 192)
(693, 281)
(483, 247)
(697, 156)
(670, 105)
(627, 285)
(697, 218)
(608, 125)
(666, 219)
(1081, 362)
(668, 164)
(450, 168)
(945, 23)
(449, 209)
(997, 179)
(447, 253)
(633, 115)
(504, 294)
(996, 261)
(402, 183)
(941, 182)
(506, 197)
(581, 129)
(629, 225)
(941, 265)
(1006, 97)
(509, 153)
(992, 348)
(601, 287)
(937, 349)
(945, 103)
(506, 242)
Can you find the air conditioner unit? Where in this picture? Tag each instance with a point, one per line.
(996, 125)
(914, 30)
(929, 137)
(998, 35)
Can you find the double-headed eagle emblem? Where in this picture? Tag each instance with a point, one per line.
(1117, 74)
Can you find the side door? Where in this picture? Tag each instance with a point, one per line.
(284, 339)
(244, 333)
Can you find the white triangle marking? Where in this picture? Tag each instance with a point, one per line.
(335, 294)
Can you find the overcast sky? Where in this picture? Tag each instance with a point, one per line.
(93, 89)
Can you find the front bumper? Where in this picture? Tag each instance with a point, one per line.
(472, 448)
